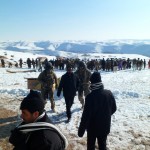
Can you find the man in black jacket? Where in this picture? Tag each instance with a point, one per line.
(36, 131)
(69, 85)
(96, 118)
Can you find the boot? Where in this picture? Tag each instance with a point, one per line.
(54, 110)
(68, 120)
(53, 106)
(82, 105)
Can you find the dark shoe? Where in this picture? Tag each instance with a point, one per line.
(68, 120)
(82, 106)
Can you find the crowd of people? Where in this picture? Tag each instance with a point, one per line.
(37, 132)
(109, 64)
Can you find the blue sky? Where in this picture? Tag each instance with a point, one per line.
(74, 19)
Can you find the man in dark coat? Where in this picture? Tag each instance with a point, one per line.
(29, 62)
(96, 118)
(69, 85)
(36, 131)
(20, 62)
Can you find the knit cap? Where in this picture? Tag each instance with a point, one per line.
(95, 77)
(33, 102)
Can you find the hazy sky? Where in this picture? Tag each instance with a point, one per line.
(74, 19)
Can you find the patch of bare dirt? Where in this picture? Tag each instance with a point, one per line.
(8, 120)
(9, 105)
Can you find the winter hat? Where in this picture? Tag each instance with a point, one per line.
(81, 65)
(95, 77)
(48, 66)
(68, 67)
(33, 102)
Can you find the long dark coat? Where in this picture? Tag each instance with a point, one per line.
(37, 140)
(69, 84)
(96, 118)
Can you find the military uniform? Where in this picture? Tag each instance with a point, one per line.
(48, 79)
(83, 75)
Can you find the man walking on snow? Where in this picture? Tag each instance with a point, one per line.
(48, 79)
(69, 85)
(96, 118)
(83, 75)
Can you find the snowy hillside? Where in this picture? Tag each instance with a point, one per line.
(141, 47)
(130, 123)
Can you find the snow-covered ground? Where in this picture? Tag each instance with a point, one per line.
(130, 124)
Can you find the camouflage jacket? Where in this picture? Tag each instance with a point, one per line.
(47, 79)
(83, 76)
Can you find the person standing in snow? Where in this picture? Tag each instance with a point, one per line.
(96, 118)
(144, 64)
(83, 75)
(103, 64)
(20, 62)
(149, 64)
(48, 79)
(3, 63)
(33, 63)
(29, 62)
(69, 85)
(36, 132)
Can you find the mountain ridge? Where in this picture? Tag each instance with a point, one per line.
(141, 47)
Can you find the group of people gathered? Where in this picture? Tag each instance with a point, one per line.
(108, 64)
(36, 132)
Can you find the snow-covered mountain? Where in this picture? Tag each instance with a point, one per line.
(141, 47)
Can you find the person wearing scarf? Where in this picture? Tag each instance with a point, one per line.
(96, 117)
(36, 131)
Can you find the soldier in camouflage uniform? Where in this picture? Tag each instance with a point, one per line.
(83, 75)
(48, 78)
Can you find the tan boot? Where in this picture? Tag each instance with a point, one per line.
(82, 105)
(54, 110)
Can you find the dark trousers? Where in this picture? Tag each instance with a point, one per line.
(91, 139)
(69, 101)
